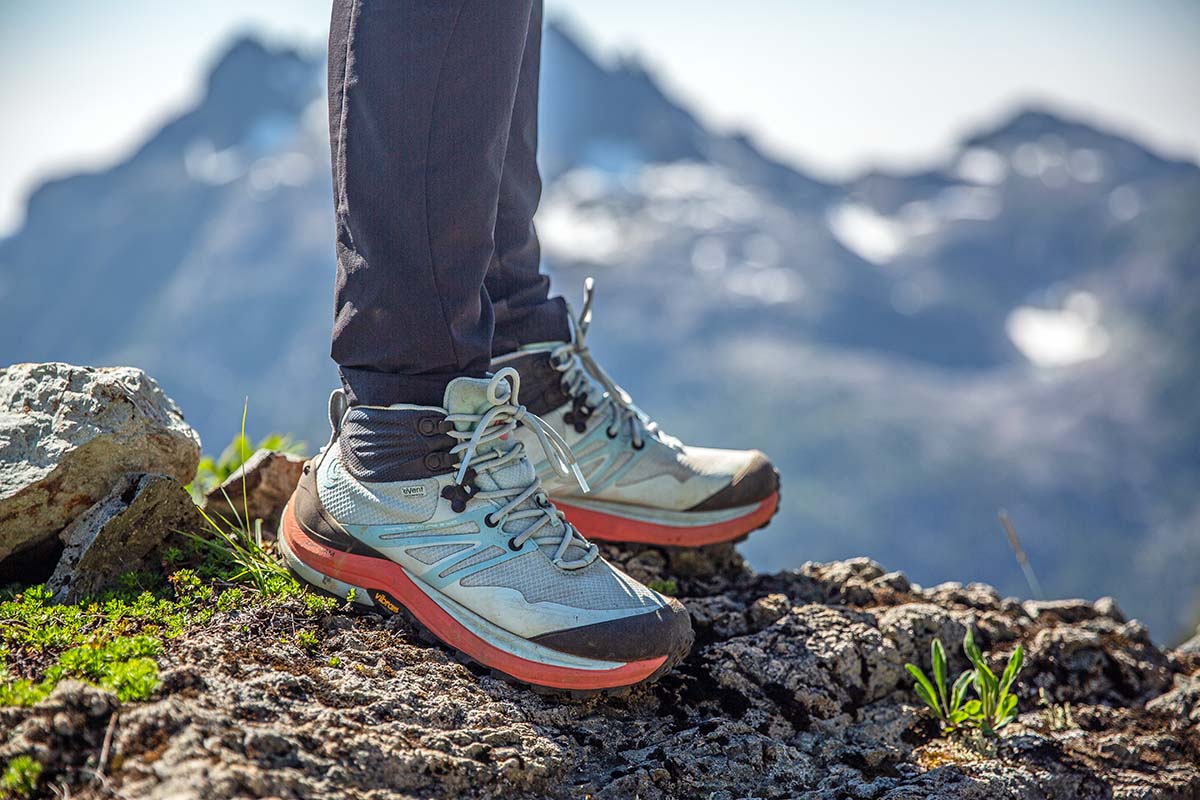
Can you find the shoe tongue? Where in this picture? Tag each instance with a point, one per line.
(470, 396)
(467, 396)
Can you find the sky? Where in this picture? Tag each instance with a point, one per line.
(835, 88)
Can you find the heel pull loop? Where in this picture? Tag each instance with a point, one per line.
(339, 404)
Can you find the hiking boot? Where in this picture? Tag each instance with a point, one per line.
(646, 486)
(438, 511)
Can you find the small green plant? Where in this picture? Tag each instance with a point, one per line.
(20, 777)
(124, 664)
(244, 558)
(239, 542)
(994, 704)
(666, 587)
(307, 639)
(947, 707)
(316, 605)
(997, 705)
(172, 556)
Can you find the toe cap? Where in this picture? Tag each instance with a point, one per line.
(754, 483)
(665, 631)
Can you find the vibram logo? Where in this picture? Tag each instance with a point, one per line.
(386, 602)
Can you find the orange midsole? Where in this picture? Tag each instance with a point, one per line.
(615, 528)
(377, 573)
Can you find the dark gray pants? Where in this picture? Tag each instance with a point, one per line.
(433, 129)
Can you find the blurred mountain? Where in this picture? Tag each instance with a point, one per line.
(1017, 328)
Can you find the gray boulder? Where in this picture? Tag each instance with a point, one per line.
(121, 533)
(69, 435)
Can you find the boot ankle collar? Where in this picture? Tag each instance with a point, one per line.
(382, 444)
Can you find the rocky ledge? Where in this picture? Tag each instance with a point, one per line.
(795, 688)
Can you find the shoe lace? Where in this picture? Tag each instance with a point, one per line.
(582, 373)
(480, 450)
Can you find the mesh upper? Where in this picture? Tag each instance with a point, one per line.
(355, 503)
(467, 527)
(596, 587)
(658, 459)
(486, 554)
(433, 553)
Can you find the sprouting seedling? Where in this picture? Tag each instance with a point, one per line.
(997, 706)
(948, 708)
(994, 704)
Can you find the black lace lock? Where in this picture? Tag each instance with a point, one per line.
(579, 413)
(459, 493)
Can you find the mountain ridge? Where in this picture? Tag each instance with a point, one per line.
(885, 324)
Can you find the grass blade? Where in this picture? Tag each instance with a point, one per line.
(1010, 671)
(924, 688)
(938, 655)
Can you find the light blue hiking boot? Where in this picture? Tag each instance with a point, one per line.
(438, 511)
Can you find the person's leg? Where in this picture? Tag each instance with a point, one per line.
(421, 99)
(423, 498)
(519, 291)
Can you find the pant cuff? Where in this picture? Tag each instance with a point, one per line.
(546, 322)
(367, 388)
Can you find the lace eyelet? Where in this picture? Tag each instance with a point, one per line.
(512, 545)
(610, 433)
(639, 445)
(487, 520)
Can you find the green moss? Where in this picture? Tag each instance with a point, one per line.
(20, 778)
(113, 640)
(307, 639)
(668, 587)
(316, 605)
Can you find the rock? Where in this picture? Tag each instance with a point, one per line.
(1073, 610)
(121, 533)
(782, 697)
(68, 436)
(978, 596)
(1182, 703)
(717, 617)
(766, 610)
(270, 478)
(815, 663)
(1097, 661)
(65, 731)
(914, 626)
(1191, 647)
(1107, 607)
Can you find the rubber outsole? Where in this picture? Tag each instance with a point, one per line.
(613, 527)
(392, 591)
